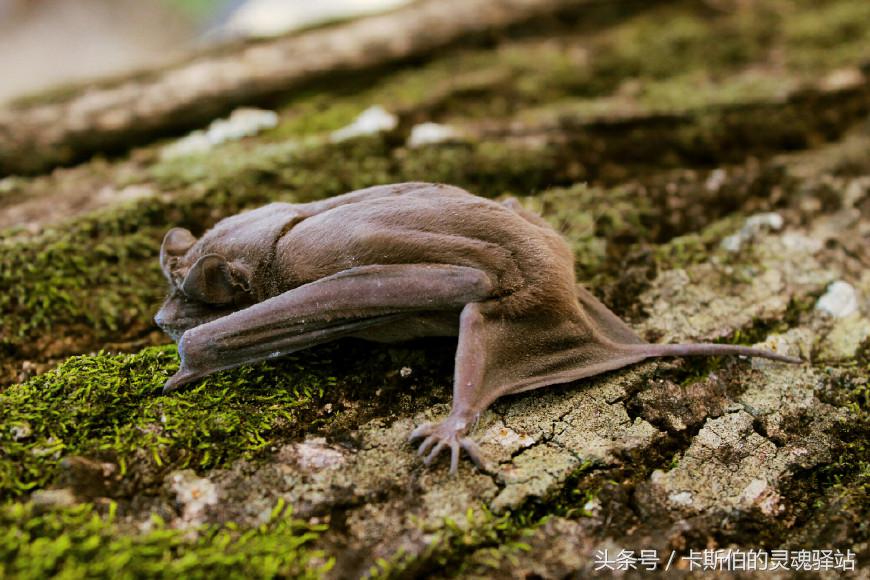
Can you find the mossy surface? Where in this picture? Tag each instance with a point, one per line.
(487, 538)
(700, 57)
(109, 406)
(81, 542)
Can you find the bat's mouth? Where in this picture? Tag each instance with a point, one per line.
(175, 320)
(173, 333)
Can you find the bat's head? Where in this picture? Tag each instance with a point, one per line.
(203, 285)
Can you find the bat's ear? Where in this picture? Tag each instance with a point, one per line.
(215, 281)
(176, 242)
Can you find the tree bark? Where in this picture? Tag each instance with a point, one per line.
(35, 136)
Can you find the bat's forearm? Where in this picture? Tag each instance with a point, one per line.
(203, 353)
(325, 310)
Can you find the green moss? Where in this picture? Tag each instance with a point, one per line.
(78, 542)
(699, 89)
(319, 113)
(595, 221)
(110, 407)
(485, 537)
(840, 490)
(697, 247)
(53, 281)
(826, 35)
(679, 93)
(644, 47)
(696, 58)
(760, 329)
(489, 169)
(307, 172)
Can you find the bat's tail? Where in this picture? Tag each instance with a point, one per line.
(707, 349)
(628, 343)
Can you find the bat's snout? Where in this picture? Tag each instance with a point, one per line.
(166, 320)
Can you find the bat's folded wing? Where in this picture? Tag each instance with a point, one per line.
(325, 310)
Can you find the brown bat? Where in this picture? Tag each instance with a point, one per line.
(391, 263)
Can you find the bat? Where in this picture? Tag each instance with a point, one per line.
(391, 263)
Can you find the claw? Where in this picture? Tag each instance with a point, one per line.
(448, 433)
(179, 379)
(454, 457)
(424, 429)
(473, 452)
(434, 453)
(426, 444)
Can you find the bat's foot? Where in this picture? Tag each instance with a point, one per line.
(449, 433)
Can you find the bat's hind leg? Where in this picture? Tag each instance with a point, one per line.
(469, 395)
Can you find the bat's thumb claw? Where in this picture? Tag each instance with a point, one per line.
(178, 380)
(170, 386)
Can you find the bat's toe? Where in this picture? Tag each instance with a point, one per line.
(449, 434)
(423, 430)
(474, 453)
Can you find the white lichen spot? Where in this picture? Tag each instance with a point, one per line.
(431, 134)
(681, 498)
(799, 243)
(243, 122)
(840, 300)
(716, 180)
(507, 437)
(314, 454)
(21, 431)
(771, 505)
(110, 194)
(53, 498)
(10, 184)
(50, 446)
(842, 78)
(194, 496)
(373, 120)
(758, 493)
(264, 516)
(754, 490)
(753, 226)
(592, 507)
